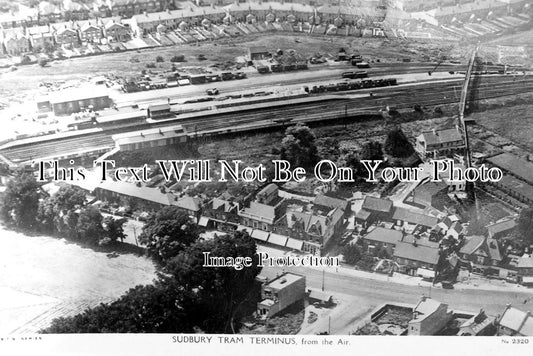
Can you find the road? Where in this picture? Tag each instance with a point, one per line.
(371, 293)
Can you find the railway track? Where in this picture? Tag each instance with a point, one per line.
(401, 97)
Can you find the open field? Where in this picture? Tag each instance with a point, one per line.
(42, 278)
(512, 122)
(515, 39)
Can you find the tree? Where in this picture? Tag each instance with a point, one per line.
(143, 309)
(159, 59)
(328, 148)
(371, 151)
(524, 228)
(187, 295)
(168, 232)
(218, 291)
(349, 160)
(114, 228)
(351, 253)
(55, 213)
(21, 200)
(298, 146)
(397, 144)
(89, 226)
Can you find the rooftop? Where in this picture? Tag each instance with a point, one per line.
(525, 262)
(517, 185)
(377, 204)
(330, 202)
(148, 135)
(513, 164)
(517, 320)
(501, 226)
(284, 280)
(82, 93)
(437, 137)
(259, 211)
(381, 234)
(414, 218)
(419, 253)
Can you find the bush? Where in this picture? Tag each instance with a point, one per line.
(150, 65)
(178, 58)
(352, 254)
(43, 62)
(159, 59)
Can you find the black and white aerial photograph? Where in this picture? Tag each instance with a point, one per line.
(276, 172)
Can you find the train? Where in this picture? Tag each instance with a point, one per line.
(343, 86)
(277, 68)
(355, 75)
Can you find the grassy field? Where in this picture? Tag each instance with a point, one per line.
(514, 123)
(515, 39)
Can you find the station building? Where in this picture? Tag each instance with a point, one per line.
(157, 137)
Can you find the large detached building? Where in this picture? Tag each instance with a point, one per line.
(280, 293)
(74, 101)
(438, 143)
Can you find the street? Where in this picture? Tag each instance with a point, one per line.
(369, 293)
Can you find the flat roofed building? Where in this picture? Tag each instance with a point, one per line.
(515, 322)
(280, 293)
(157, 137)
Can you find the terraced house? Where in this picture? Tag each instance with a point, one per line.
(115, 31)
(65, 35)
(90, 32)
(16, 44)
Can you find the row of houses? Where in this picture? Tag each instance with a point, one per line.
(282, 222)
(446, 12)
(46, 12)
(116, 27)
(72, 33)
(253, 11)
